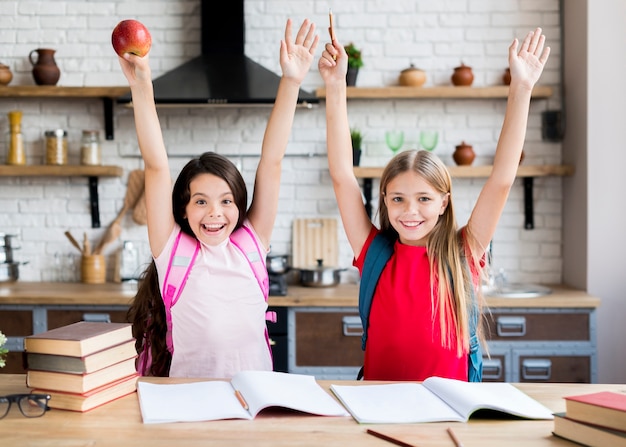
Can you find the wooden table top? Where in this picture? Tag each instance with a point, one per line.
(344, 295)
(119, 424)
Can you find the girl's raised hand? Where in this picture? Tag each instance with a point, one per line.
(296, 56)
(333, 64)
(527, 64)
(135, 68)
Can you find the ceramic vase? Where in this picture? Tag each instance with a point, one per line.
(45, 69)
(462, 76)
(464, 154)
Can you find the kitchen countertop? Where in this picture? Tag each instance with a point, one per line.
(344, 295)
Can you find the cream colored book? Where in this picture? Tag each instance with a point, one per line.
(247, 393)
(435, 400)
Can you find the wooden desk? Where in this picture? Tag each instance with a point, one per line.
(119, 424)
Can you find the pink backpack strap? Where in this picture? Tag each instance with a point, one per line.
(182, 258)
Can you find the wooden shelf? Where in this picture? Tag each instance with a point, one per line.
(60, 171)
(398, 92)
(527, 173)
(91, 172)
(479, 171)
(107, 94)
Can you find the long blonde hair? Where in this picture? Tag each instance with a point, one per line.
(450, 258)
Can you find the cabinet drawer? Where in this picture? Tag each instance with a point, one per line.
(553, 367)
(16, 323)
(545, 326)
(327, 339)
(58, 318)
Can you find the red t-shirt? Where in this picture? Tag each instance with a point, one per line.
(404, 338)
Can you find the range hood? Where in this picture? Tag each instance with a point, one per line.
(222, 75)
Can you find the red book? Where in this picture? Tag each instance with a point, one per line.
(92, 399)
(606, 409)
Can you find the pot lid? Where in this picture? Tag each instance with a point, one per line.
(410, 69)
(320, 267)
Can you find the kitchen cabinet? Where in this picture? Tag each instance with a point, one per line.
(107, 94)
(91, 172)
(545, 339)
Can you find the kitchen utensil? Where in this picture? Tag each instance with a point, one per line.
(93, 269)
(9, 272)
(462, 76)
(73, 241)
(464, 154)
(7, 245)
(313, 239)
(277, 264)
(139, 212)
(320, 275)
(133, 191)
(86, 245)
(6, 254)
(429, 139)
(6, 240)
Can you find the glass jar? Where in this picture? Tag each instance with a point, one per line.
(15, 141)
(90, 153)
(56, 147)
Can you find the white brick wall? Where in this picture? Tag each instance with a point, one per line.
(435, 36)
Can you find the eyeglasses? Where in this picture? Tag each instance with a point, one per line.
(31, 405)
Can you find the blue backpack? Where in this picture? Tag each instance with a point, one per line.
(376, 258)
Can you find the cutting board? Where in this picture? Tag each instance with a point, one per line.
(314, 239)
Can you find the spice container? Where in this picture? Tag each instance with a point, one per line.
(90, 153)
(56, 147)
(15, 141)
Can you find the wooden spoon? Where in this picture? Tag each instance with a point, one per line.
(73, 241)
(133, 192)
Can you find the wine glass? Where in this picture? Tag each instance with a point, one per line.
(394, 140)
(429, 139)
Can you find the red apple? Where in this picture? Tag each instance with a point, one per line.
(131, 36)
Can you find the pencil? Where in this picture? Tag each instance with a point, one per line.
(331, 28)
(241, 400)
(457, 441)
(388, 438)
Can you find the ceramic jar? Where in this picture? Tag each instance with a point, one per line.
(45, 70)
(464, 154)
(5, 75)
(462, 76)
(412, 77)
(506, 77)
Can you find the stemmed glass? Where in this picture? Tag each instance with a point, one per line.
(429, 139)
(394, 140)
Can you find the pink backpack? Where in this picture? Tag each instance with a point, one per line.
(182, 258)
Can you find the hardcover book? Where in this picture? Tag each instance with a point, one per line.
(435, 400)
(243, 397)
(78, 339)
(91, 399)
(606, 408)
(82, 365)
(587, 434)
(79, 383)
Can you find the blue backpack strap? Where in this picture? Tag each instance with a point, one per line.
(378, 253)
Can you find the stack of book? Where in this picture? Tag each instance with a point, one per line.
(595, 420)
(82, 365)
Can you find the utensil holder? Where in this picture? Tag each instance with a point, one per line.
(93, 269)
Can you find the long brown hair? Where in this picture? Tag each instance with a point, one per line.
(449, 257)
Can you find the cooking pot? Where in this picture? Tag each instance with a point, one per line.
(320, 276)
(9, 272)
(277, 264)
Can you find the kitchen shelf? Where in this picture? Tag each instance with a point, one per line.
(399, 92)
(526, 172)
(91, 172)
(107, 94)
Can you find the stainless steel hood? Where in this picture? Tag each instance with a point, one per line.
(222, 75)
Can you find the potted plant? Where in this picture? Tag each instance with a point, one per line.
(355, 61)
(357, 139)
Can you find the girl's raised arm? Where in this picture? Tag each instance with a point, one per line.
(526, 64)
(296, 56)
(158, 183)
(333, 66)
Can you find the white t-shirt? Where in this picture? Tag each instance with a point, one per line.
(218, 322)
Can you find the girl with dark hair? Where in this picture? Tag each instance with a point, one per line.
(419, 320)
(219, 320)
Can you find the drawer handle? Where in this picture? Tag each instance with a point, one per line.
(352, 326)
(97, 318)
(511, 326)
(536, 369)
(492, 369)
